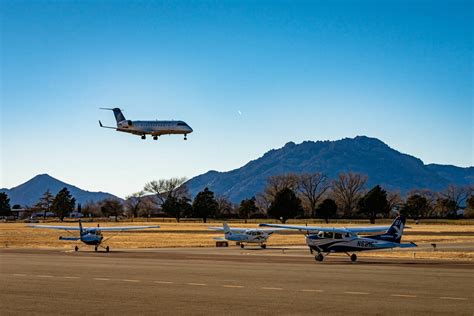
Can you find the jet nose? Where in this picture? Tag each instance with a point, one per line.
(190, 130)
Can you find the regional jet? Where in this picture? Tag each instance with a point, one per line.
(245, 235)
(154, 128)
(92, 235)
(326, 240)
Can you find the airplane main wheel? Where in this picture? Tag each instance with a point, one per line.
(242, 245)
(353, 257)
(155, 137)
(107, 248)
(319, 257)
(95, 248)
(263, 246)
(143, 137)
(76, 248)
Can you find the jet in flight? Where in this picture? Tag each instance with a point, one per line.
(154, 128)
(245, 235)
(92, 235)
(336, 239)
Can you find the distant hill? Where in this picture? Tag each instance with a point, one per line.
(383, 165)
(28, 193)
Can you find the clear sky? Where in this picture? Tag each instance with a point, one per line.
(401, 71)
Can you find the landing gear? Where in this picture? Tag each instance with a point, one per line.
(95, 248)
(76, 248)
(319, 257)
(353, 257)
(155, 137)
(263, 246)
(242, 246)
(143, 137)
(185, 138)
(107, 249)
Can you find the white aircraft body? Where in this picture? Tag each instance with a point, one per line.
(154, 128)
(245, 235)
(92, 235)
(333, 239)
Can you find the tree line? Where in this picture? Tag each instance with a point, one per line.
(286, 196)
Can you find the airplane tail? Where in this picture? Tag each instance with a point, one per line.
(226, 229)
(395, 232)
(118, 114)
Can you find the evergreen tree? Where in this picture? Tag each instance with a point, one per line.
(63, 203)
(45, 202)
(373, 203)
(416, 206)
(111, 207)
(176, 206)
(4, 205)
(205, 205)
(247, 208)
(327, 209)
(285, 205)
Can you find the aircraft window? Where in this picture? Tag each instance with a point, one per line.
(337, 236)
(181, 124)
(321, 234)
(327, 234)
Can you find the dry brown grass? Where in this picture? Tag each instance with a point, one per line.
(197, 235)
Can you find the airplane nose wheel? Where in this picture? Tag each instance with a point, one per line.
(263, 246)
(95, 248)
(107, 249)
(353, 257)
(319, 257)
(185, 138)
(242, 246)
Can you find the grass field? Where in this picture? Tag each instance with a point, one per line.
(193, 234)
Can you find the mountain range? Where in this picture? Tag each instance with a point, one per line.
(370, 156)
(28, 193)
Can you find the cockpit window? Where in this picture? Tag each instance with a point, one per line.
(181, 124)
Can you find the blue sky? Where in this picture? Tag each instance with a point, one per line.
(401, 71)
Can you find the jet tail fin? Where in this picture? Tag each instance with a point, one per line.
(118, 114)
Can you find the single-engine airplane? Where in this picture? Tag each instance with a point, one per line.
(245, 235)
(91, 236)
(154, 128)
(333, 239)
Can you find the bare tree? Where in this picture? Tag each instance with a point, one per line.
(279, 182)
(262, 202)
(134, 202)
(225, 209)
(457, 194)
(167, 188)
(394, 201)
(311, 187)
(348, 189)
(91, 209)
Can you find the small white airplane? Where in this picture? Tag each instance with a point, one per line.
(154, 128)
(92, 235)
(333, 239)
(245, 235)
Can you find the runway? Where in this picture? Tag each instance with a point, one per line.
(206, 281)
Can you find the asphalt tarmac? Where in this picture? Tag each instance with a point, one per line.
(203, 281)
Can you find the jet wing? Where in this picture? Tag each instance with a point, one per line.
(55, 227)
(125, 228)
(354, 230)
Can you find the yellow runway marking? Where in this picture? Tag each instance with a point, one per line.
(129, 280)
(233, 286)
(164, 282)
(272, 288)
(318, 291)
(197, 284)
(101, 279)
(44, 276)
(71, 277)
(402, 295)
(453, 298)
(19, 274)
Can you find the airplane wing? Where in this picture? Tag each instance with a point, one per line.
(355, 230)
(55, 227)
(125, 228)
(241, 230)
(234, 230)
